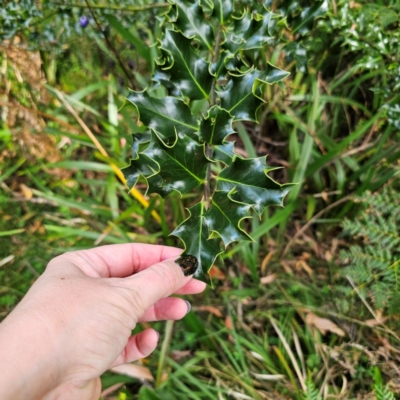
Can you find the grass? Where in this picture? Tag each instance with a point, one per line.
(246, 338)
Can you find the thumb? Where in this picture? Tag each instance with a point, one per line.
(156, 282)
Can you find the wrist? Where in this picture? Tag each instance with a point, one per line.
(28, 364)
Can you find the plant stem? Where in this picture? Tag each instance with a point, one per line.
(110, 45)
(169, 325)
(110, 7)
(207, 186)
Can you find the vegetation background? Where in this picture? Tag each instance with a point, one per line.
(309, 310)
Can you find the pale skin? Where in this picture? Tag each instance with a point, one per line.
(76, 320)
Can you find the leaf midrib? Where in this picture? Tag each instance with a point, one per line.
(183, 167)
(171, 119)
(190, 72)
(199, 33)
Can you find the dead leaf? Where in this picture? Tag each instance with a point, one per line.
(37, 224)
(26, 192)
(265, 280)
(268, 377)
(178, 354)
(216, 273)
(328, 255)
(6, 260)
(286, 267)
(210, 309)
(228, 322)
(105, 393)
(302, 264)
(266, 260)
(134, 371)
(323, 324)
(380, 319)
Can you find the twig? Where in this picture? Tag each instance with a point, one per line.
(312, 220)
(111, 7)
(110, 46)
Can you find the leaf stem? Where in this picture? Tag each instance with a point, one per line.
(213, 98)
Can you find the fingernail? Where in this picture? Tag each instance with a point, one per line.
(158, 334)
(189, 307)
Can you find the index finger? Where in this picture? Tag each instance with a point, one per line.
(121, 260)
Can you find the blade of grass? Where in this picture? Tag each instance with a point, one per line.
(135, 193)
(289, 351)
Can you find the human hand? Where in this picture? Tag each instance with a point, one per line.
(76, 320)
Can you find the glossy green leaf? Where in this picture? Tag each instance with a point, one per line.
(191, 22)
(239, 99)
(302, 19)
(298, 53)
(138, 139)
(155, 185)
(224, 153)
(243, 94)
(194, 234)
(181, 167)
(271, 75)
(138, 167)
(222, 10)
(164, 116)
(189, 73)
(252, 184)
(251, 31)
(216, 126)
(224, 217)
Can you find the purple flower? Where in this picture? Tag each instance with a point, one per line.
(83, 21)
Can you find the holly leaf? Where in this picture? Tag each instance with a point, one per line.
(297, 52)
(138, 139)
(301, 19)
(251, 31)
(239, 99)
(216, 126)
(181, 167)
(164, 116)
(189, 73)
(222, 10)
(243, 94)
(224, 217)
(224, 153)
(252, 185)
(271, 75)
(155, 185)
(138, 167)
(191, 22)
(194, 234)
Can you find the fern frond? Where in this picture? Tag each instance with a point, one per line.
(312, 393)
(374, 264)
(383, 393)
